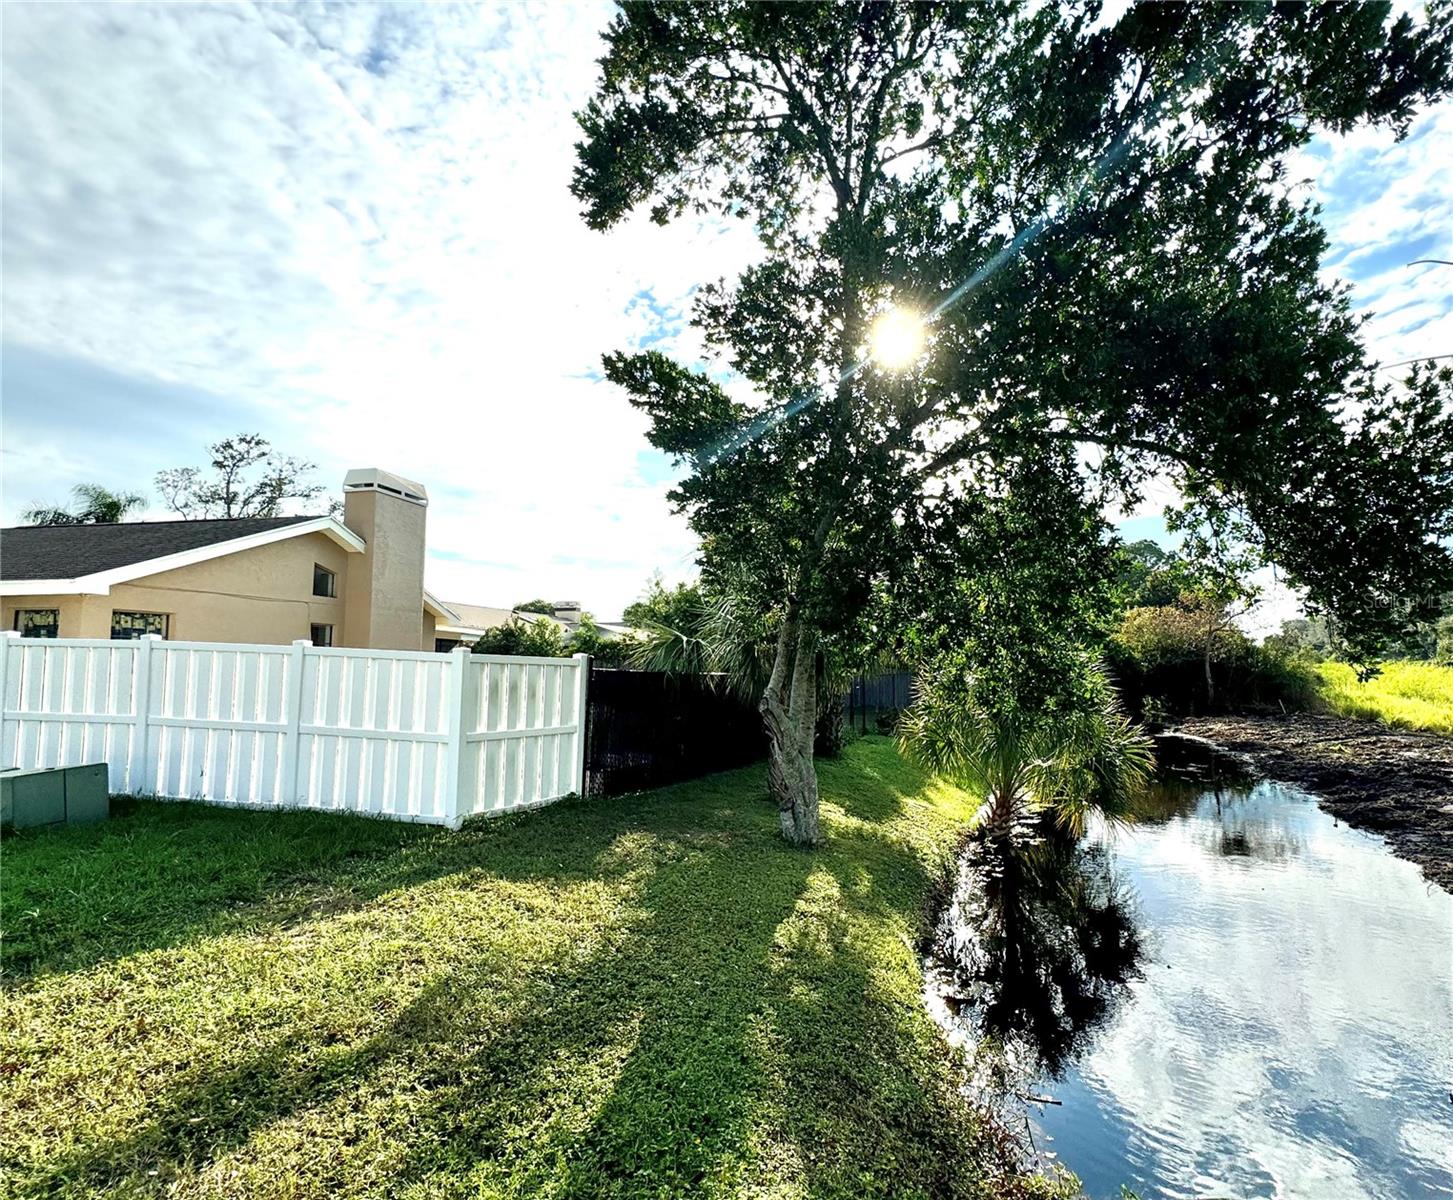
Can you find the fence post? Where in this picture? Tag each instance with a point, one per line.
(141, 772)
(582, 711)
(9, 636)
(293, 715)
(454, 748)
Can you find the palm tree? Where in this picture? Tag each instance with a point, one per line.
(717, 638)
(94, 505)
(1060, 761)
(721, 638)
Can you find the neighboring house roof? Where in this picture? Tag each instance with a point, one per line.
(433, 604)
(64, 559)
(474, 619)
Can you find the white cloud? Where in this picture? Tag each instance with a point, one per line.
(350, 228)
(1386, 203)
(356, 223)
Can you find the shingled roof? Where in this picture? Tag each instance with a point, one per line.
(73, 551)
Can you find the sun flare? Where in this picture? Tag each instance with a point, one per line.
(896, 339)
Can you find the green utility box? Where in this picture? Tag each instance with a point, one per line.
(54, 796)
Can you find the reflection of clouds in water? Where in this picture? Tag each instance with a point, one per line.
(1427, 1141)
(1295, 1024)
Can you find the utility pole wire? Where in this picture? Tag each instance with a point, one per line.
(1407, 362)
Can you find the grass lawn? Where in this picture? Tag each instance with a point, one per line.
(647, 996)
(1410, 695)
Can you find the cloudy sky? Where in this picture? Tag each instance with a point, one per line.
(350, 230)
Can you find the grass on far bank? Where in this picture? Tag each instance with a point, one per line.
(1409, 695)
(645, 996)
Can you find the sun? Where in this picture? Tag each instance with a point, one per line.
(896, 339)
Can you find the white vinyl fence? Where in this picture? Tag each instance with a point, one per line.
(414, 736)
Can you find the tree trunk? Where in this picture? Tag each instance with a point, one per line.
(828, 740)
(789, 708)
(1210, 680)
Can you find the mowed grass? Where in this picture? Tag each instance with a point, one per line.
(1409, 695)
(645, 996)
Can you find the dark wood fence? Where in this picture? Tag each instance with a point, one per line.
(872, 696)
(646, 729)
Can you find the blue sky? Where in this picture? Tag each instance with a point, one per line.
(350, 229)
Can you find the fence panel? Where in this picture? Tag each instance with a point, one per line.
(647, 729)
(870, 697)
(70, 702)
(521, 742)
(375, 725)
(216, 721)
(413, 736)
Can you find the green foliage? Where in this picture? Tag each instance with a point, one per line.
(604, 651)
(1073, 756)
(643, 996)
(712, 635)
(1016, 584)
(1310, 636)
(1100, 220)
(547, 638)
(536, 606)
(673, 608)
(94, 505)
(538, 639)
(1147, 575)
(1409, 695)
(1158, 658)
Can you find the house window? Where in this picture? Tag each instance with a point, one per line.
(38, 622)
(128, 626)
(322, 635)
(445, 645)
(325, 583)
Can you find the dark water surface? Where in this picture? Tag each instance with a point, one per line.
(1290, 1033)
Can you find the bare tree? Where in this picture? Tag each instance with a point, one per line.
(233, 488)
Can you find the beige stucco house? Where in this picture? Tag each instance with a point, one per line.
(357, 582)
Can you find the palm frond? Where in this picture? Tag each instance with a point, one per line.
(1080, 757)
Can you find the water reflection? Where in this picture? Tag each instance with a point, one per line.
(1242, 826)
(1036, 949)
(1234, 997)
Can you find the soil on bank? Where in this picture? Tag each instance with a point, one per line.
(1397, 783)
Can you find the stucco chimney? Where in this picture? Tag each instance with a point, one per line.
(384, 596)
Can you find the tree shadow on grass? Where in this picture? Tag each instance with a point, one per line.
(780, 1026)
(747, 1000)
(873, 1089)
(673, 975)
(163, 874)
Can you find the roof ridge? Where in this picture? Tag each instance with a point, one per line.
(151, 524)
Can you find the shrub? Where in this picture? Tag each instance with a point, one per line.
(539, 639)
(604, 651)
(547, 639)
(1157, 659)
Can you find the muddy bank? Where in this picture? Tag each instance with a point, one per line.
(1392, 782)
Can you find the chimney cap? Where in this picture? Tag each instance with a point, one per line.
(372, 479)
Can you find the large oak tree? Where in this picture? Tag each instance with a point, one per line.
(1095, 222)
